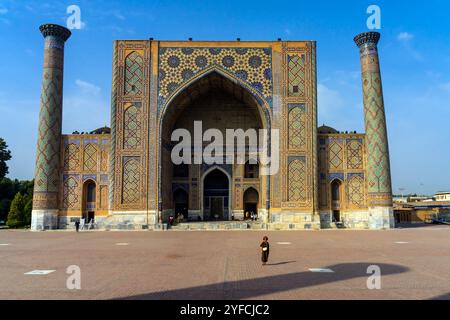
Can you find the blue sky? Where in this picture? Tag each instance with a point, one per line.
(414, 53)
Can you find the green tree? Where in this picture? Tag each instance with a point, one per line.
(8, 189)
(5, 155)
(4, 208)
(28, 208)
(16, 217)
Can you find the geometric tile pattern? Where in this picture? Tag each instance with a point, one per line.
(335, 155)
(355, 192)
(346, 151)
(104, 180)
(90, 157)
(116, 80)
(71, 199)
(378, 166)
(104, 160)
(132, 127)
(296, 75)
(103, 197)
(250, 65)
(176, 66)
(378, 158)
(297, 126)
(297, 181)
(354, 154)
(133, 73)
(71, 157)
(91, 152)
(48, 145)
(48, 150)
(131, 181)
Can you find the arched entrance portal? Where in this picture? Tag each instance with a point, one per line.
(216, 193)
(89, 201)
(181, 203)
(251, 199)
(219, 102)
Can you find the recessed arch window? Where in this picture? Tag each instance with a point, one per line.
(90, 192)
(251, 170)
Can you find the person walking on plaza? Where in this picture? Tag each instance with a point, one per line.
(265, 250)
(77, 225)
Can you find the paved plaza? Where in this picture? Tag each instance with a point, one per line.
(415, 264)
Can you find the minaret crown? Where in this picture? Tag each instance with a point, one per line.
(55, 30)
(367, 38)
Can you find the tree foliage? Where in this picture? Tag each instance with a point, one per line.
(5, 204)
(5, 155)
(8, 190)
(28, 208)
(16, 217)
(15, 196)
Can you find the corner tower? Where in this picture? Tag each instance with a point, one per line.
(46, 187)
(379, 192)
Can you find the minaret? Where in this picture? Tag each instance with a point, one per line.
(378, 177)
(46, 183)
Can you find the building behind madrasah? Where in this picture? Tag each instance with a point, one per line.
(123, 177)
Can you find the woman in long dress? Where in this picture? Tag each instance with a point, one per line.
(265, 247)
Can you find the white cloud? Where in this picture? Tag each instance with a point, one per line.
(405, 39)
(329, 100)
(87, 88)
(85, 113)
(339, 106)
(86, 99)
(405, 36)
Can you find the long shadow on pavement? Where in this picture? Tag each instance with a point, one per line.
(247, 289)
(280, 263)
(420, 226)
(442, 297)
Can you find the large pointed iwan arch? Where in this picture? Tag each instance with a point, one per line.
(213, 77)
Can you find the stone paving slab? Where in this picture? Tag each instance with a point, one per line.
(226, 265)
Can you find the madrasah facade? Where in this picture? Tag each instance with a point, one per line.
(122, 176)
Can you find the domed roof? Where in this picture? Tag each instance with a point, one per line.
(103, 130)
(327, 130)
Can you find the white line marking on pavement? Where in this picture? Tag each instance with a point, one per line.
(4, 244)
(122, 244)
(402, 242)
(319, 270)
(39, 272)
(284, 243)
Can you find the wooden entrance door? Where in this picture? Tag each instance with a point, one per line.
(216, 208)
